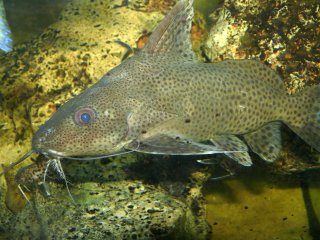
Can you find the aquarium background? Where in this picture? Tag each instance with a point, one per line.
(62, 47)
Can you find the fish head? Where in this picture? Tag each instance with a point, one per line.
(101, 121)
(93, 123)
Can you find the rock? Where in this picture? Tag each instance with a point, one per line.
(110, 203)
(108, 210)
(283, 34)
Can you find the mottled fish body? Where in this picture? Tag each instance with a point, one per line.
(163, 101)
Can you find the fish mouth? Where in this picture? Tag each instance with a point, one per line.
(59, 155)
(40, 139)
(41, 145)
(54, 153)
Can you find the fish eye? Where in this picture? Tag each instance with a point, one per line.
(84, 116)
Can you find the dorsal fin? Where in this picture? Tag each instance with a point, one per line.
(171, 39)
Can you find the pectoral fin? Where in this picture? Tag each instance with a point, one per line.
(171, 145)
(266, 141)
(235, 148)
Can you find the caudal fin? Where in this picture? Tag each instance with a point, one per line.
(304, 119)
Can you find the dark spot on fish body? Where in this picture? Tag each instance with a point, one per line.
(263, 137)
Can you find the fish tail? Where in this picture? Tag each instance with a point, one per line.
(304, 116)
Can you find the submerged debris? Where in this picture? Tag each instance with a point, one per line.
(15, 200)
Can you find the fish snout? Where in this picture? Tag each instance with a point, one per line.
(41, 138)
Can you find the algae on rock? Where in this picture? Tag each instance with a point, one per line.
(283, 34)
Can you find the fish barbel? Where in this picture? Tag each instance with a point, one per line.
(163, 101)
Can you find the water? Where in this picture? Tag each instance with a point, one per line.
(29, 18)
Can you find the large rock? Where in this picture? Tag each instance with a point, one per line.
(283, 34)
(111, 210)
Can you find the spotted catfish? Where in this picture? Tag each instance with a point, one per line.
(163, 101)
